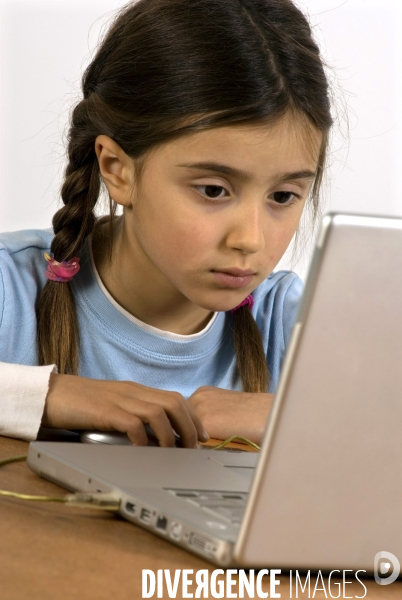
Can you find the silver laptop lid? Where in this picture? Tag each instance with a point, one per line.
(328, 487)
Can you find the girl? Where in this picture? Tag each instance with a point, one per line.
(207, 121)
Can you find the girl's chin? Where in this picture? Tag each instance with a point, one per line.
(221, 305)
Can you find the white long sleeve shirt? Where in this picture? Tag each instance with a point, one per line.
(23, 393)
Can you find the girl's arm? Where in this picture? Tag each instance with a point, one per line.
(32, 396)
(224, 413)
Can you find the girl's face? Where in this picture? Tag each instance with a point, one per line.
(216, 210)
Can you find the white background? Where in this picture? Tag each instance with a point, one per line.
(45, 46)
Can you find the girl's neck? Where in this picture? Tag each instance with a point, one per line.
(150, 299)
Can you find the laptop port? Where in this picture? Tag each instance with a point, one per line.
(145, 516)
(161, 523)
(130, 507)
(202, 544)
(175, 530)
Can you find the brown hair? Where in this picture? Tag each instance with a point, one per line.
(166, 68)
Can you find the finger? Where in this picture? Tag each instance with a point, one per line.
(153, 414)
(133, 425)
(189, 427)
(129, 424)
(182, 421)
(161, 425)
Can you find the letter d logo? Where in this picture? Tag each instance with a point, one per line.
(383, 566)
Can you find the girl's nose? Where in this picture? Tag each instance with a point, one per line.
(246, 232)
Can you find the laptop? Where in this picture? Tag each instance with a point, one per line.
(325, 490)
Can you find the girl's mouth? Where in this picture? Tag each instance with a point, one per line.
(235, 278)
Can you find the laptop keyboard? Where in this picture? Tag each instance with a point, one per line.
(227, 505)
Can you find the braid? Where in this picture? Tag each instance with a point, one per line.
(250, 355)
(57, 323)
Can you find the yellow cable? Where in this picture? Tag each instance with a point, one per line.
(233, 438)
(97, 501)
(28, 497)
(6, 461)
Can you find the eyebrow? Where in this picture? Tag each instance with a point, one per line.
(226, 170)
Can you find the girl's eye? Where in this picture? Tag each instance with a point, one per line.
(212, 191)
(284, 197)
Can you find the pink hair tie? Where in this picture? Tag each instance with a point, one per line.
(249, 300)
(61, 272)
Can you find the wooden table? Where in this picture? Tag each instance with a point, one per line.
(51, 552)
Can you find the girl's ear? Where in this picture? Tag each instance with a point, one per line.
(116, 168)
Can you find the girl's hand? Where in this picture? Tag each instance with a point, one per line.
(224, 413)
(80, 403)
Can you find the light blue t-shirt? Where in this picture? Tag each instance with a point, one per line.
(115, 345)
